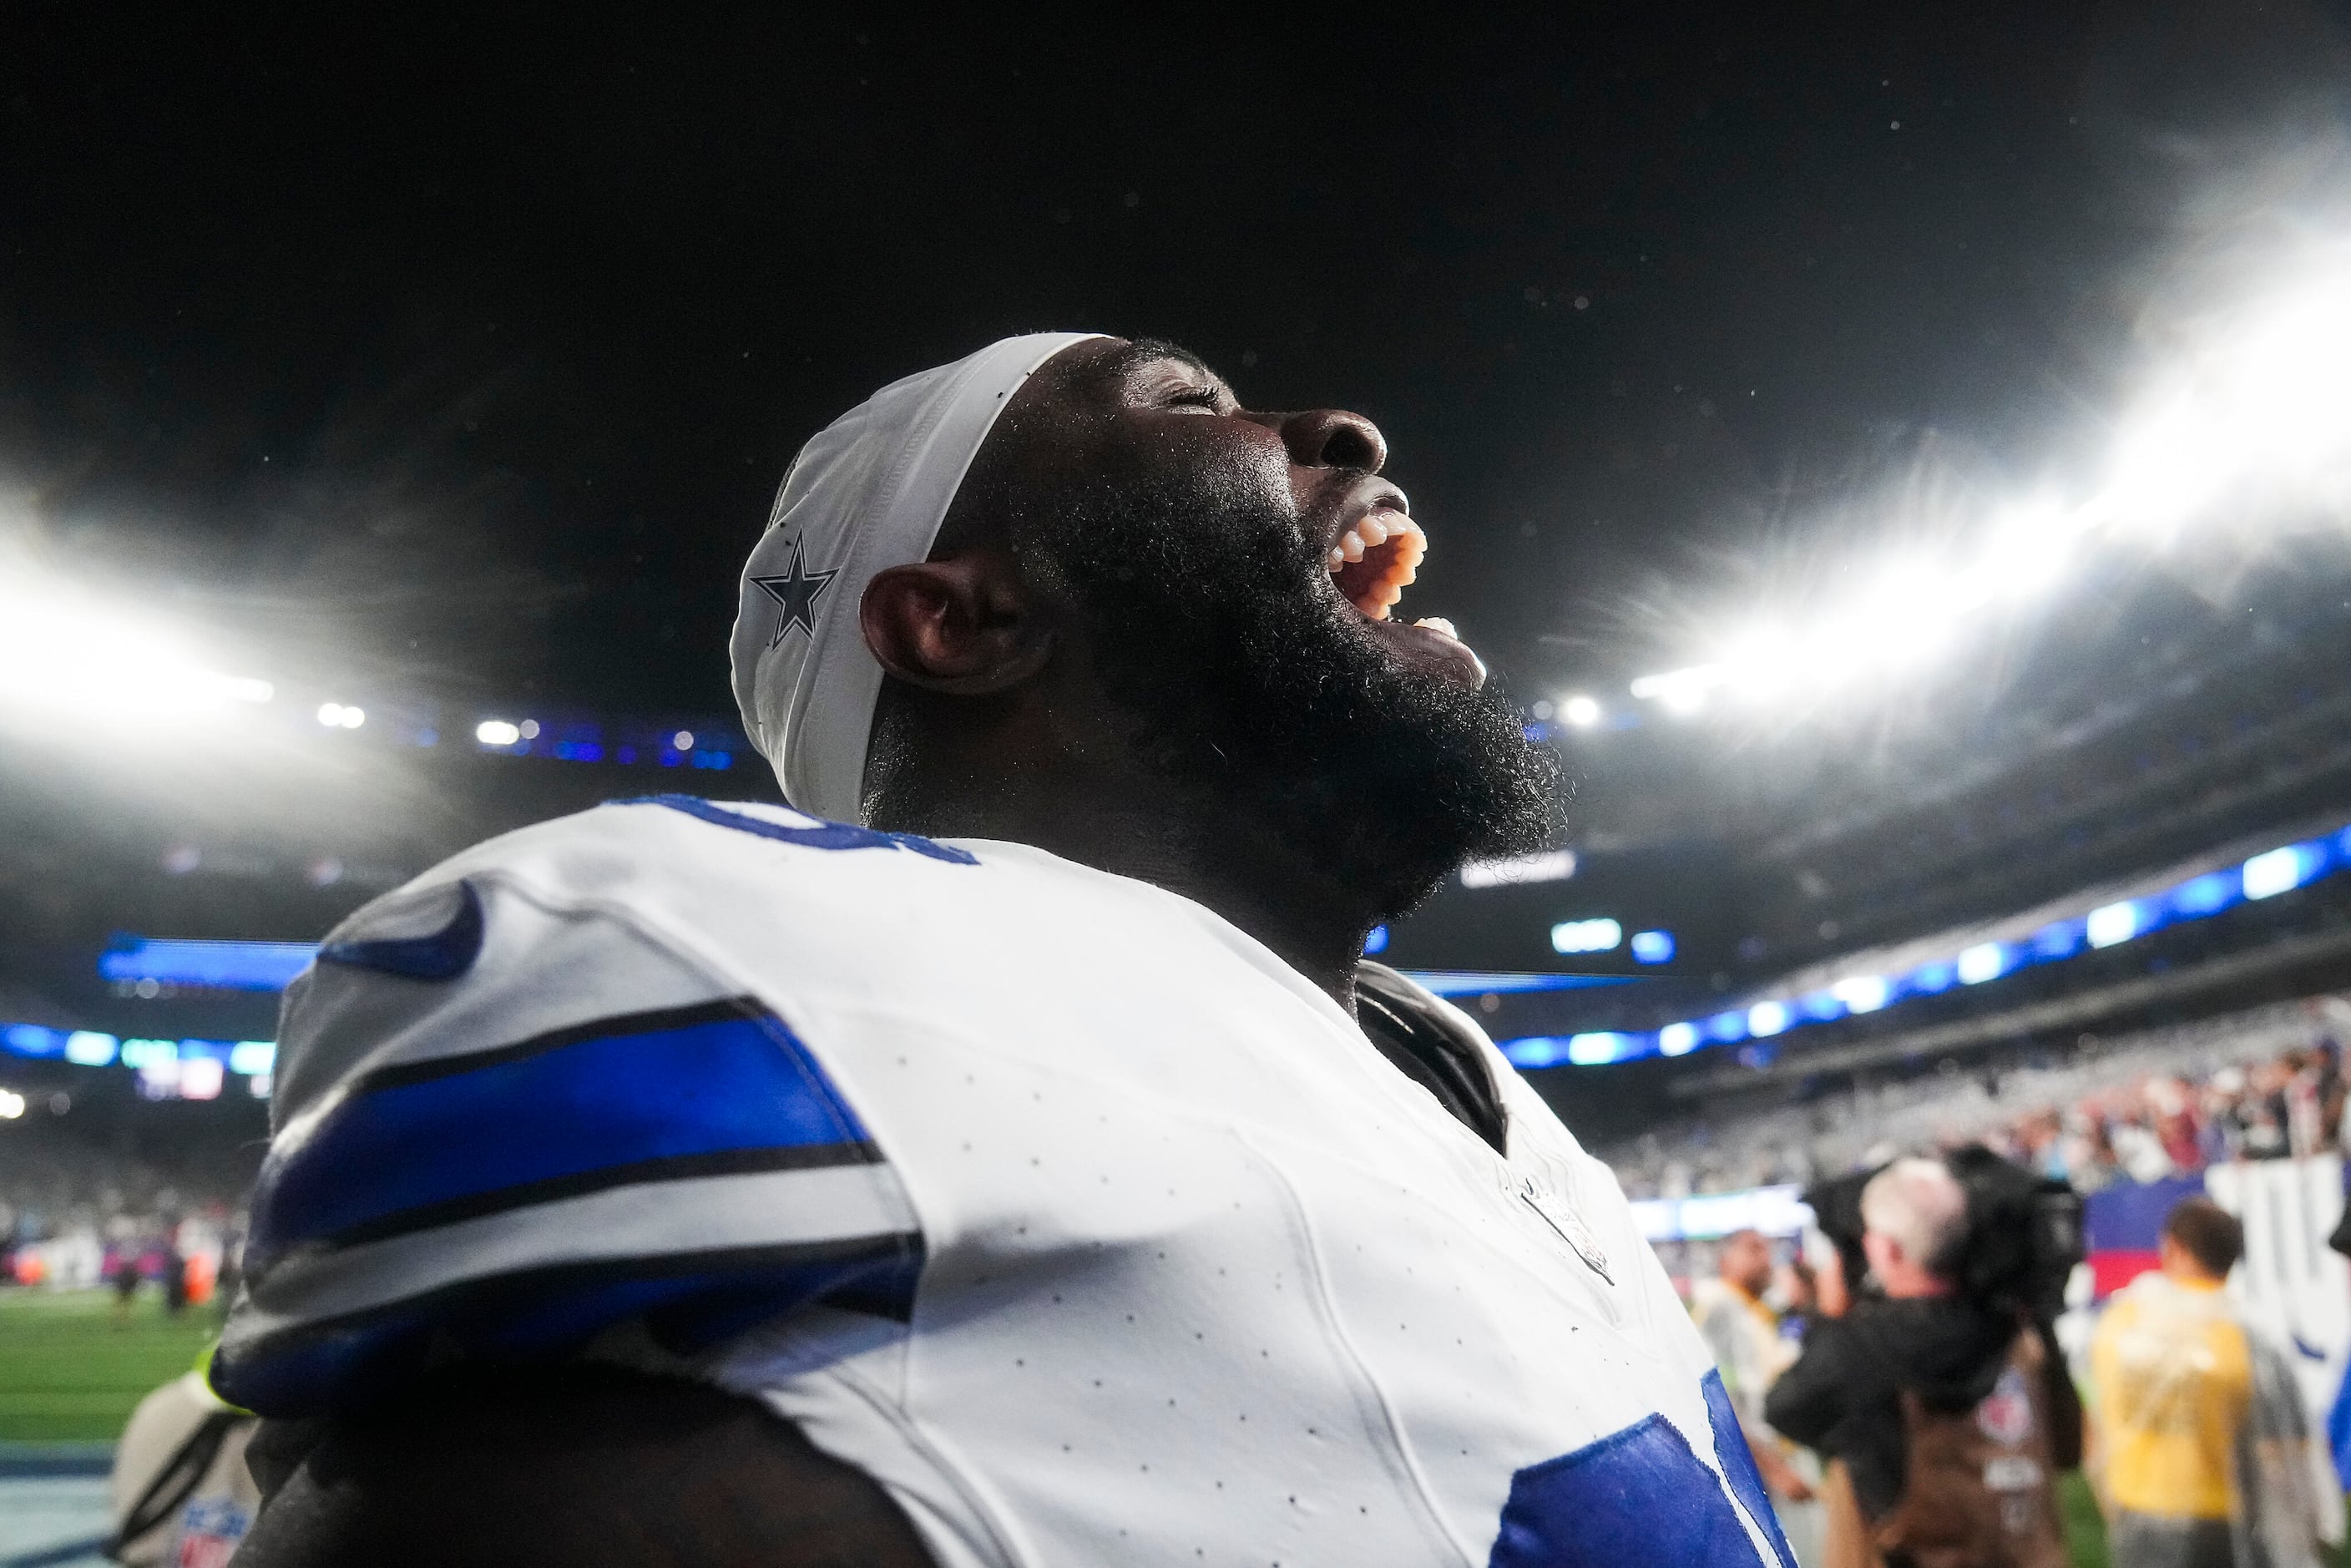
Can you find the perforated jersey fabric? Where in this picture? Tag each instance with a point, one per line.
(1046, 1198)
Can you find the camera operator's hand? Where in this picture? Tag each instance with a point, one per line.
(1830, 1291)
(1779, 1477)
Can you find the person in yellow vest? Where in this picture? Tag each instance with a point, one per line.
(2205, 1455)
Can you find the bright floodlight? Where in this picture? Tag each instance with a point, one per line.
(2245, 425)
(12, 1104)
(63, 656)
(1767, 1019)
(342, 716)
(496, 732)
(1580, 712)
(1677, 1038)
(682, 741)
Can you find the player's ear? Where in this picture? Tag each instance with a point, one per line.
(964, 625)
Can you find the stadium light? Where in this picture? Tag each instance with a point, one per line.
(1598, 935)
(2198, 897)
(2246, 421)
(498, 732)
(1595, 1048)
(2280, 871)
(2113, 922)
(12, 1104)
(1547, 865)
(65, 658)
(1582, 712)
(342, 716)
(1984, 961)
(201, 1078)
(1863, 993)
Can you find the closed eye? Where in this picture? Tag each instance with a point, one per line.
(1211, 399)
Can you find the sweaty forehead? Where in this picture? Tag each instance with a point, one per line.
(1107, 372)
(1055, 426)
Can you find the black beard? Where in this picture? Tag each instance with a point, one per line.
(1247, 680)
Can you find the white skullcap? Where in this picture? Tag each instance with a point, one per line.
(867, 493)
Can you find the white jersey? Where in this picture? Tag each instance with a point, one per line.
(1048, 1199)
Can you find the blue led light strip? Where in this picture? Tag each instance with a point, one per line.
(2200, 897)
(221, 966)
(1481, 982)
(92, 1048)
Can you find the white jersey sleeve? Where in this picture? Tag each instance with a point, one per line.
(509, 1117)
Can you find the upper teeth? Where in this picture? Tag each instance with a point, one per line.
(1370, 532)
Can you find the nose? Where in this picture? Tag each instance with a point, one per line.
(1334, 438)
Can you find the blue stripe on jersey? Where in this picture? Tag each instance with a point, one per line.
(822, 836)
(1635, 1496)
(686, 1304)
(1738, 1462)
(709, 1090)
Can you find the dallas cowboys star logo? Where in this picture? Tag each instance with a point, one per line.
(796, 593)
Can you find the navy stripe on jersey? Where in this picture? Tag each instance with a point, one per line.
(687, 1302)
(716, 1088)
(1738, 1462)
(822, 835)
(442, 955)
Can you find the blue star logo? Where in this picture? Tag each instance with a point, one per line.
(795, 593)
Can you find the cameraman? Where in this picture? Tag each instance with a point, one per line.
(1946, 1406)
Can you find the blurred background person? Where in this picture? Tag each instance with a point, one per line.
(181, 1494)
(1944, 1409)
(2205, 1454)
(1741, 1327)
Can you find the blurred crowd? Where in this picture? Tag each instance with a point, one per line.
(2288, 1106)
(2268, 1084)
(76, 1216)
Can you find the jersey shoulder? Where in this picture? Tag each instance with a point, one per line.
(661, 842)
(516, 1106)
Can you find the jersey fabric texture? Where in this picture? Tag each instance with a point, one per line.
(1046, 1198)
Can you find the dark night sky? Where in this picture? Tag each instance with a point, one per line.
(470, 355)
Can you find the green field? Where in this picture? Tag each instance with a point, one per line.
(70, 1371)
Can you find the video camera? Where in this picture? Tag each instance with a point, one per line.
(2022, 1239)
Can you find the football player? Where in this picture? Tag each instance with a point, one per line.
(1001, 1156)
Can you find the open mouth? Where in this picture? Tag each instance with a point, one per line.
(1376, 559)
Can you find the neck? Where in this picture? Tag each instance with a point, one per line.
(1141, 827)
